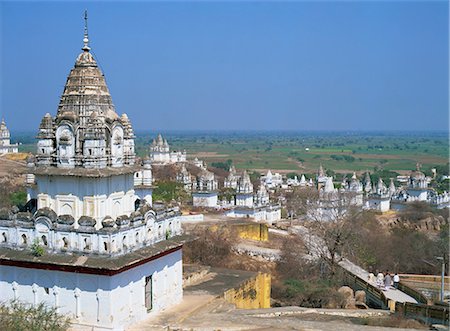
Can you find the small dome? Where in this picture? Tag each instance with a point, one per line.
(87, 221)
(66, 219)
(108, 222)
(122, 220)
(46, 212)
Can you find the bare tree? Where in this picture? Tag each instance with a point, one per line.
(331, 220)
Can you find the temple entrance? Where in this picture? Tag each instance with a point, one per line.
(148, 293)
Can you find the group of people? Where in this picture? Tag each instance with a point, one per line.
(384, 280)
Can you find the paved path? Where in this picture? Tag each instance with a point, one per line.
(391, 293)
(315, 248)
(269, 254)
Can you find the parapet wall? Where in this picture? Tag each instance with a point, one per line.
(252, 294)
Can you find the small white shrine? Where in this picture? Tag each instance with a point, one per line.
(205, 190)
(5, 140)
(160, 152)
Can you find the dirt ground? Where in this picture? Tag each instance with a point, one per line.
(203, 312)
(13, 168)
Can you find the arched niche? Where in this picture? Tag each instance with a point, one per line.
(117, 209)
(66, 209)
(43, 225)
(65, 143)
(117, 145)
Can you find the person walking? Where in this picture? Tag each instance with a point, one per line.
(396, 280)
(380, 278)
(387, 281)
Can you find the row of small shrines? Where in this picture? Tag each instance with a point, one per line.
(377, 196)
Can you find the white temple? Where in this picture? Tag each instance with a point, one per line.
(244, 191)
(232, 179)
(247, 204)
(416, 189)
(205, 190)
(272, 180)
(160, 152)
(109, 260)
(5, 140)
(378, 196)
(185, 178)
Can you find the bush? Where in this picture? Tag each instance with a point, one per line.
(223, 165)
(18, 198)
(210, 248)
(37, 249)
(19, 316)
(167, 191)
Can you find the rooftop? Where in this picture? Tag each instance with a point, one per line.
(91, 264)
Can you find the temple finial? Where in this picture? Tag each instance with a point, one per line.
(86, 47)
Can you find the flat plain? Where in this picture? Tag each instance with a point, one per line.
(303, 152)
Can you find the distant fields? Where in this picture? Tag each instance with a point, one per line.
(304, 152)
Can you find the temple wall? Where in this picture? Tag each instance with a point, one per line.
(253, 231)
(204, 199)
(85, 196)
(109, 302)
(253, 294)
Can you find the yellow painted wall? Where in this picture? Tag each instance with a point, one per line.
(253, 294)
(255, 231)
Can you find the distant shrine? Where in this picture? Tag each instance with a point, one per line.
(5, 140)
(110, 258)
(160, 152)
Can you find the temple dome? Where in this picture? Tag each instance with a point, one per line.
(86, 130)
(86, 91)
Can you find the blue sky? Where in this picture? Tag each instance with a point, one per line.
(341, 65)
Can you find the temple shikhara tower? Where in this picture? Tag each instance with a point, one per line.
(109, 258)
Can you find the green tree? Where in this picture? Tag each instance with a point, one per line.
(167, 191)
(18, 198)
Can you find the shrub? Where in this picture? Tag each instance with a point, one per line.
(18, 316)
(36, 248)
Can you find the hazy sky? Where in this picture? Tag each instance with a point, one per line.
(350, 65)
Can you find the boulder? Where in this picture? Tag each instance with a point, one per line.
(348, 298)
(360, 296)
(350, 304)
(361, 305)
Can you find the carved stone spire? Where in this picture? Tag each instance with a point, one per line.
(86, 47)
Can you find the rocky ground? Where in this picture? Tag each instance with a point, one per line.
(201, 312)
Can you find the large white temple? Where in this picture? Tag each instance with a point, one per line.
(110, 259)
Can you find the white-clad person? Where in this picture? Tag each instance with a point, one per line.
(396, 280)
(380, 279)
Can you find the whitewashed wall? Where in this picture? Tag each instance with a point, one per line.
(95, 197)
(103, 301)
(244, 200)
(203, 199)
(111, 243)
